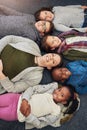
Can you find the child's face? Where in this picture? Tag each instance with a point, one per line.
(61, 95)
(53, 42)
(61, 74)
(46, 15)
(42, 26)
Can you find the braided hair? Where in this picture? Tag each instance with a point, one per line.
(72, 101)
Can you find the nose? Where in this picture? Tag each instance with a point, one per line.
(51, 57)
(63, 72)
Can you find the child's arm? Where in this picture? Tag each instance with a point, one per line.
(50, 119)
(78, 63)
(25, 108)
(39, 89)
(84, 7)
(33, 120)
(81, 89)
(42, 121)
(72, 32)
(63, 28)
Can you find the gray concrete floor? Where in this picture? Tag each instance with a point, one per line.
(30, 6)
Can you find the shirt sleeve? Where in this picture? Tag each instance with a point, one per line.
(74, 6)
(42, 121)
(49, 119)
(16, 87)
(13, 39)
(81, 89)
(63, 28)
(39, 89)
(83, 63)
(78, 62)
(71, 32)
(33, 120)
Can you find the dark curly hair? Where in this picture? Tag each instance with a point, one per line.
(37, 13)
(74, 102)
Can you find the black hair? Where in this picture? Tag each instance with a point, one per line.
(44, 46)
(51, 28)
(61, 61)
(37, 13)
(72, 101)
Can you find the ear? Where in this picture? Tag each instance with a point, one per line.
(49, 68)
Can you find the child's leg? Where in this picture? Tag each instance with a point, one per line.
(8, 106)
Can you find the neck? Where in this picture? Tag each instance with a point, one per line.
(38, 61)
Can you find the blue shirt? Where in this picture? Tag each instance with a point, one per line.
(78, 79)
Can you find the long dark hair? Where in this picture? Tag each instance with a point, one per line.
(72, 101)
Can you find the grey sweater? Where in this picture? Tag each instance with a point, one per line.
(69, 17)
(19, 25)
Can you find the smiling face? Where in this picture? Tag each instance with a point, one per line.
(52, 42)
(49, 60)
(61, 95)
(46, 15)
(43, 26)
(61, 74)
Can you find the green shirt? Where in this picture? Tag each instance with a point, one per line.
(15, 61)
(75, 55)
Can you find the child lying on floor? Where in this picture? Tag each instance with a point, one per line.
(38, 106)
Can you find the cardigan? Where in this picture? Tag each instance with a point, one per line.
(68, 17)
(29, 76)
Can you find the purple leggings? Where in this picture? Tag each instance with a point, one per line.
(8, 106)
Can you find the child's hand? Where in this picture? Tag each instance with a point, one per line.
(25, 108)
(84, 7)
(1, 65)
